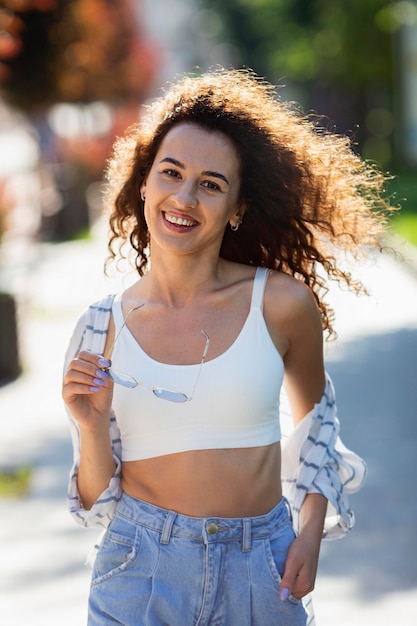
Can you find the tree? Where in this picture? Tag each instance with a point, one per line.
(90, 58)
(335, 56)
(71, 51)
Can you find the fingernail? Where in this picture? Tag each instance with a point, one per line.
(104, 363)
(96, 388)
(283, 594)
(102, 374)
(99, 382)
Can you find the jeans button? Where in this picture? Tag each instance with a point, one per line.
(212, 528)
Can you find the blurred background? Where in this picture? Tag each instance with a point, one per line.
(73, 75)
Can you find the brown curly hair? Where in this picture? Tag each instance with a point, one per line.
(307, 193)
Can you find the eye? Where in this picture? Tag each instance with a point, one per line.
(171, 173)
(211, 185)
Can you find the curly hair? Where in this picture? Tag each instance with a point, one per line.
(306, 192)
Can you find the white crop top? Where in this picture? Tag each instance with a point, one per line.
(235, 403)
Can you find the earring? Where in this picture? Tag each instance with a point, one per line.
(236, 227)
(142, 196)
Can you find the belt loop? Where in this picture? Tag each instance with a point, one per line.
(247, 535)
(167, 527)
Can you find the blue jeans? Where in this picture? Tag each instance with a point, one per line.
(158, 568)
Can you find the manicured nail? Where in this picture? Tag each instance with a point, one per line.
(96, 388)
(102, 374)
(99, 382)
(283, 594)
(104, 363)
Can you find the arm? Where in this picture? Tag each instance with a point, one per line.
(88, 393)
(94, 486)
(299, 322)
(303, 556)
(314, 460)
(96, 467)
(89, 403)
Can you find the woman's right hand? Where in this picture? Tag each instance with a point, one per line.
(88, 390)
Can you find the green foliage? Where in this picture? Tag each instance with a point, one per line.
(403, 188)
(405, 225)
(336, 58)
(15, 483)
(302, 40)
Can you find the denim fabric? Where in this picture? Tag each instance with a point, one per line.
(156, 567)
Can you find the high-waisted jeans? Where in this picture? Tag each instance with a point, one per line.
(159, 568)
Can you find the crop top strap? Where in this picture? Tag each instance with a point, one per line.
(259, 284)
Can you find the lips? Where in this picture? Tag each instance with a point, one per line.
(179, 221)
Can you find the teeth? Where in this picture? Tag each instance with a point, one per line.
(179, 220)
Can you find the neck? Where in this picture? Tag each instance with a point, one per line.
(181, 279)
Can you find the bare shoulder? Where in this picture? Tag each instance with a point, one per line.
(294, 322)
(291, 310)
(287, 296)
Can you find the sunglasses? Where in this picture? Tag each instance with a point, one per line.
(126, 380)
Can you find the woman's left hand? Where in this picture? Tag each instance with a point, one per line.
(303, 555)
(300, 568)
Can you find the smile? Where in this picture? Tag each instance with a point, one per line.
(180, 221)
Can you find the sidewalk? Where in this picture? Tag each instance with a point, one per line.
(368, 579)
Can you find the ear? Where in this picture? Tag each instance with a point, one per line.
(237, 218)
(143, 189)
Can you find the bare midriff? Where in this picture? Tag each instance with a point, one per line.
(243, 482)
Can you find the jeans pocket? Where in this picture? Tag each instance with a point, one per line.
(276, 548)
(118, 550)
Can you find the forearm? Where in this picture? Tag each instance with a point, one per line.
(96, 466)
(303, 555)
(312, 515)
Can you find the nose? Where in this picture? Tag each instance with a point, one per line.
(185, 196)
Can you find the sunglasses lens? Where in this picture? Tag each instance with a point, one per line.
(171, 396)
(122, 379)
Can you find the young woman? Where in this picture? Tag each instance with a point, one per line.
(233, 205)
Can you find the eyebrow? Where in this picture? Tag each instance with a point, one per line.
(205, 173)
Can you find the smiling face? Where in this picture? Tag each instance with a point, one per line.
(192, 190)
